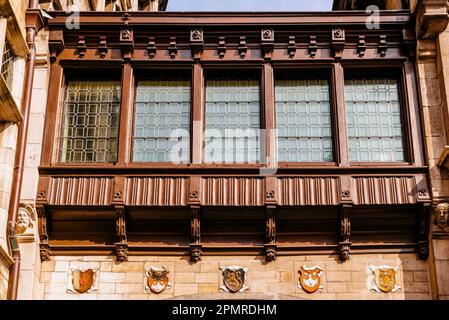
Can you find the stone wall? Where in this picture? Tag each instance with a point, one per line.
(126, 280)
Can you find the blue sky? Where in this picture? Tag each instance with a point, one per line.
(249, 5)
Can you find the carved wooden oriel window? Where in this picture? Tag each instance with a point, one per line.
(303, 120)
(91, 120)
(162, 121)
(232, 121)
(373, 111)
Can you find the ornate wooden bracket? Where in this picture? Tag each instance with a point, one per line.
(44, 246)
(121, 246)
(243, 49)
(338, 42)
(126, 43)
(344, 245)
(195, 232)
(81, 47)
(361, 46)
(270, 233)
(196, 44)
(291, 46)
(383, 45)
(152, 47)
(103, 47)
(56, 44)
(172, 48)
(221, 49)
(267, 43)
(423, 231)
(313, 48)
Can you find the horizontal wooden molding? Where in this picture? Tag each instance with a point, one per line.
(157, 191)
(305, 191)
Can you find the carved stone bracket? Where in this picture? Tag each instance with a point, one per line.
(267, 43)
(313, 47)
(431, 18)
(221, 49)
(103, 47)
(172, 48)
(243, 49)
(423, 232)
(338, 42)
(383, 45)
(291, 46)
(45, 252)
(121, 246)
(344, 245)
(151, 47)
(361, 46)
(196, 44)
(270, 233)
(195, 233)
(81, 47)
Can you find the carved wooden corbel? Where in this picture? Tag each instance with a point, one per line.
(103, 47)
(195, 233)
(56, 44)
(121, 246)
(338, 42)
(152, 47)
(126, 43)
(313, 48)
(172, 48)
(383, 45)
(291, 47)
(344, 245)
(221, 49)
(361, 46)
(196, 44)
(44, 246)
(243, 49)
(270, 233)
(423, 231)
(267, 43)
(81, 47)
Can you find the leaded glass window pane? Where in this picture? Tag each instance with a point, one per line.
(91, 121)
(162, 121)
(8, 60)
(232, 121)
(303, 121)
(374, 120)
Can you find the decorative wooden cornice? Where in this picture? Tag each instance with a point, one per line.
(291, 46)
(313, 47)
(152, 50)
(81, 47)
(383, 45)
(243, 49)
(103, 47)
(221, 49)
(172, 49)
(361, 46)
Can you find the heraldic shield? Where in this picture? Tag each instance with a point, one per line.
(310, 278)
(82, 281)
(157, 280)
(234, 279)
(385, 279)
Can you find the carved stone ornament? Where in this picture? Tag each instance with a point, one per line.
(82, 280)
(442, 215)
(338, 34)
(234, 279)
(195, 253)
(121, 252)
(157, 280)
(384, 279)
(126, 35)
(310, 278)
(45, 253)
(25, 217)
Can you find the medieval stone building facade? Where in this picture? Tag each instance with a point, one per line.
(338, 188)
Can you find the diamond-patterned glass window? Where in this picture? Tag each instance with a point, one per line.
(303, 120)
(8, 64)
(162, 121)
(91, 121)
(374, 120)
(232, 121)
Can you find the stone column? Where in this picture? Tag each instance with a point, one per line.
(432, 20)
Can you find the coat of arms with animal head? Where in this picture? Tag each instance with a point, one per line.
(234, 279)
(310, 278)
(157, 280)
